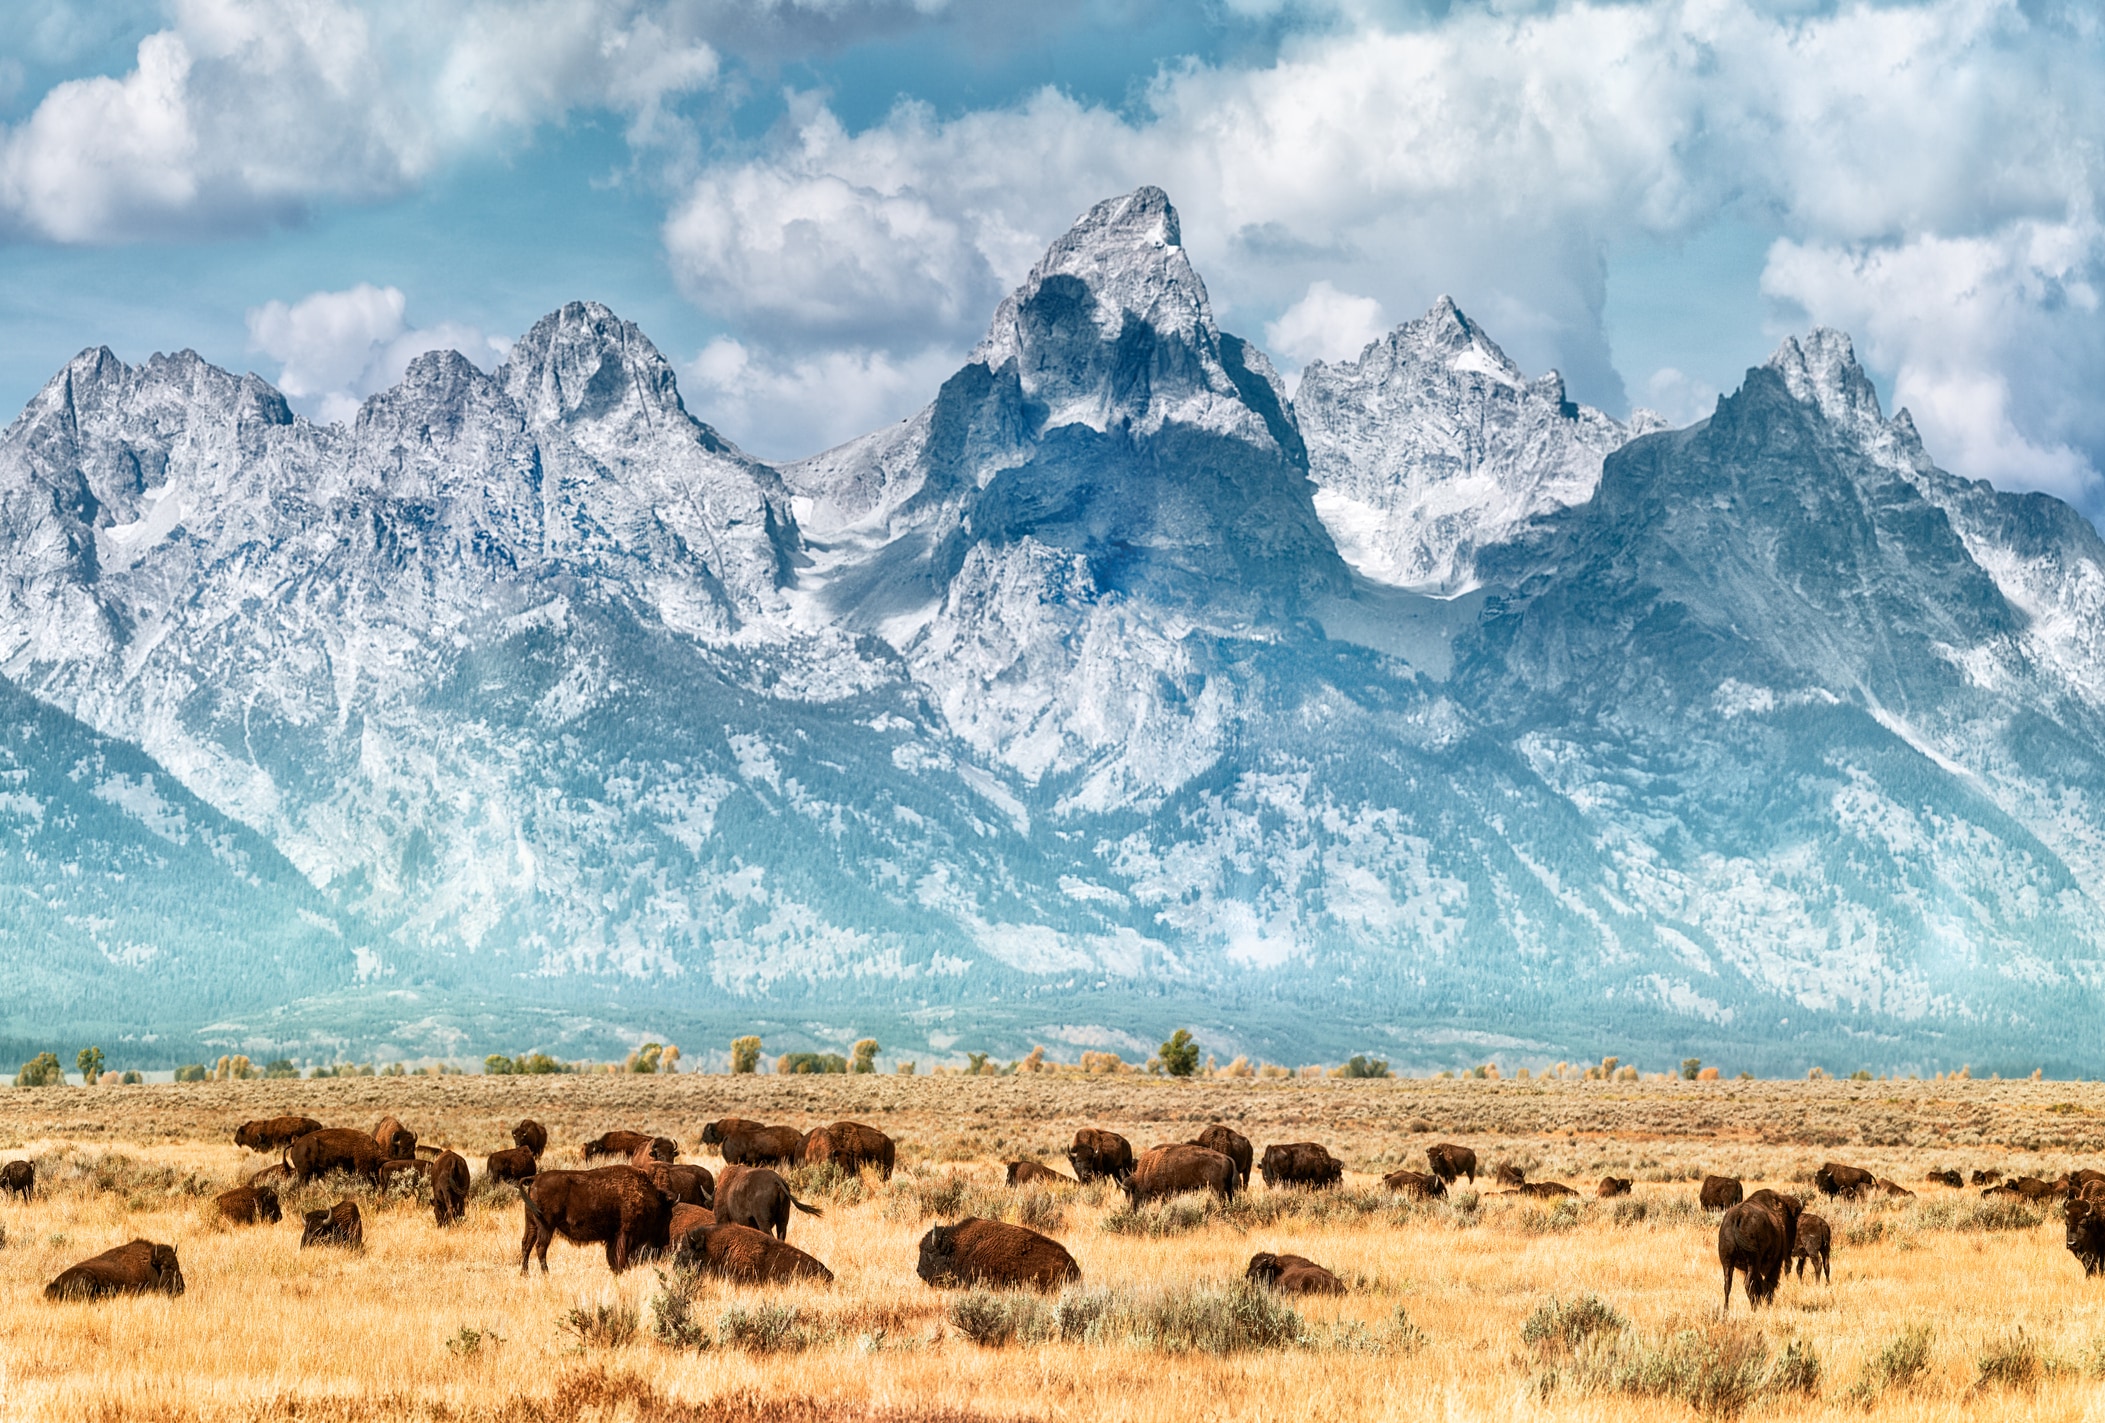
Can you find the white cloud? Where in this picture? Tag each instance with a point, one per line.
(784, 408)
(1681, 398)
(336, 348)
(1326, 325)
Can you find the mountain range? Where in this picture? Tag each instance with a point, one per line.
(1423, 711)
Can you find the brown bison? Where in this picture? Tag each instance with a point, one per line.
(746, 1256)
(273, 1133)
(1300, 1163)
(1292, 1274)
(1756, 1237)
(1987, 1178)
(338, 1225)
(1232, 1144)
(1417, 1184)
(617, 1205)
(2026, 1188)
(851, 1146)
(396, 1141)
(2080, 1181)
(1448, 1162)
(514, 1163)
(687, 1185)
(1509, 1175)
(1172, 1170)
(1945, 1178)
(1890, 1188)
(249, 1205)
(750, 1144)
(531, 1135)
(19, 1178)
(1613, 1186)
(334, 1149)
(713, 1133)
(449, 1187)
(1719, 1192)
(992, 1252)
(2086, 1234)
(625, 1144)
(407, 1174)
(686, 1218)
(1025, 1173)
(139, 1268)
(1848, 1182)
(1100, 1155)
(759, 1197)
(1814, 1244)
(1547, 1190)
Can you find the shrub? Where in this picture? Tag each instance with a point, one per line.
(1180, 1055)
(1718, 1369)
(795, 1063)
(470, 1341)
(1897, 1365)
(2002, 1214)
(672, 1311)
(992, 1319)
(2013, 1361)
(133, 1078)
(1556, 1325)
(745, 1055)
(89, 1062)
(1798, 1371)
(190, 1072)
(1040, 1209)
(865, 1059)
(1361, 1065)
(41, 1071)
(1690, 1066)
(764, 1329)
(601, 1326)
(1210, 1319)
(280, 1068)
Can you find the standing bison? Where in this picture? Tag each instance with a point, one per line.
(1292, 1274)
(396, 1142)
(1172, 1170)
(1720, 1192)
(273, 1133)
(514, 1163)
(1025, 1173)
(1448, 1162)
(759, 1197)
(1300, 1163)
(531, 1135)
(1100, 1155)
(744, 1143)
(687, 1185)
(338, 1225)
(616, 1205)
(2086, 1234)
(19, 1178)
(1814, 1245)
(1756, 1237)
(1848, 1182)
(1232, 1144)
(851, 1146)
(449, 1187)
(1416, 1184)
(138, 1268)
(334, 1149)
(992, 1252)
(746, 1256)
(248, 1205)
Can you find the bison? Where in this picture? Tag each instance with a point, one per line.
(1987, 1178)
(2026, 1188)
(1509, 1175)
(1025, 1173)
(1848, 1182)
(2081, 1181)
(759, 1197)
(1720, 1192)
(1418, 1184)
(1300, 1163)
(1100, 1155)
(139, 1268)
(687, 1185)
(746, 1256)
(397, 1142)
(334, 1149)
(273, 1133)
(744, 1143)
(1292, 1274)
(1756, 1237)
(1172, 1170)
(851, 1146)
(19, 1178)
(249, 1205)
(617, 1205)
(514, 1163)
(531, 1135)
(449, 1187)
(625, 1144)
(713, 1133)
(1613, 1186)
(1814, 1244)
(338, 1225)
(1945, 1178)
(1448, 1162)
(2086, 1234)
(1891, 1188)
(992, 1252)
(1547, 1190)
(407, 1173)
(1232, 1144)
(686, 1218)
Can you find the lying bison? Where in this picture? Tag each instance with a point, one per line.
(1547, 1190)
(338, 1225)
(685, 1218)
(1448, 1162)
(514, 1163)
(1173, 1170)
(396, 1142)
(1848, 1182)
(449, 1187)
(1025, 1173)
(1720, 1192)
(992, 1252)
(1292, 1274)
(273, 1133)
(1756, 1237)
(531, 1135)
(1100, 1155)
(1891, 1188)
(851, 1146)
(627, 1145)
(1813, 1245)
(334, 1149)
(139, 1268)
(616, 1205)
(19, 1178)
(2086, 1234)
(687, 1185)
(1987, 1178)
(1232, 1144)
(759, 1197)
(1508, 1175)
(1945, 1178)
(2026, 1188)
(1612, 1186)
(1300, 1163)
(744, 1143)
(249, 1205)
(1416, 1184)
(746, 1256)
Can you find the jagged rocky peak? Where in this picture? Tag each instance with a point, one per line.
(1821, 369)
(582, 363)
(1434, 444)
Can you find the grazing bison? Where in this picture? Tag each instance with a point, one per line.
(19, 1178)
(617, 1205)
(334, 1149)
(249, 1205)
(624, 1144)
(1172, 1170)
(685, 1218)
(992, 1252)
(273, 1133)
(750, 1144)
(687, 1185)
(1300, 1163)
(1719, 1192)
(139, 1268)
(449, 1187)
(1232, 1144)
(1756, 1237)
(1449, 1162)
(1613, 1186)
(396, 1141)
(1814, 1244)
(1100, 1155)
(1417, 1184)
(2086, 1234)
(1509, 1175)
(531, 1135)
(407, 1173)
(1292, 1274)
(851, 1146)
(1987, 1178)
(746, 1256)
(713, 1133)
(1024, 1173)
(1848, 1182)
(1547, 1190)
(338, 1225)
(1945, 1178)
(757, 1196)
(514, 1163)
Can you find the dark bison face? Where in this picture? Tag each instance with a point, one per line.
(266, 1206)
(1264, 1268)
(168, 1274)
(938, 1255)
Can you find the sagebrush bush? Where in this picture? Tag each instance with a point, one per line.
(765, 1329)
(1557, 1325)
(996, 1317)
(672, 1311)
(2013, 1361)
(1897, 1365)
(606, 1325)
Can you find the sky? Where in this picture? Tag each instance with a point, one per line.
(813, 206)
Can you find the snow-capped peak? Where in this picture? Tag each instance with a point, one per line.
(1821, 369)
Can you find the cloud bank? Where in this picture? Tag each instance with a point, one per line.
(334, 349)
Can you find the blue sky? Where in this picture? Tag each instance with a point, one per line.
(813, 205)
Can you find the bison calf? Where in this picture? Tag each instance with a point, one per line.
(1416, 1184)
(1813, 1244)
(1292, 1274)
(1025, 1173)
(19, 1178)
(992, 1252)
(138, 1268)
(338, 1225)
(1300, 1163)
(746, 1256)
(1509, 1175)
(249, 1205)
(1720, 1192)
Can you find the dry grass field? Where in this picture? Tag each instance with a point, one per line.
(1942, 1307)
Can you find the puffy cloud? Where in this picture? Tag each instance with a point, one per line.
(1326, 325)
(783, 408)
(336, 348)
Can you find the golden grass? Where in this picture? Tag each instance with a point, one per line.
(267, 1331)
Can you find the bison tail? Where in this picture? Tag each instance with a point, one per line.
(808, 1210)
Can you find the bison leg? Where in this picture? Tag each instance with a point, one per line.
(1727, 1308)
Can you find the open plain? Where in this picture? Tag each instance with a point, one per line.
(1942, 1306)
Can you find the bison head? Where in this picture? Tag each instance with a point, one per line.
(167, 1272)
(267, 1205)
(1264, 1268)
(938, 1255)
